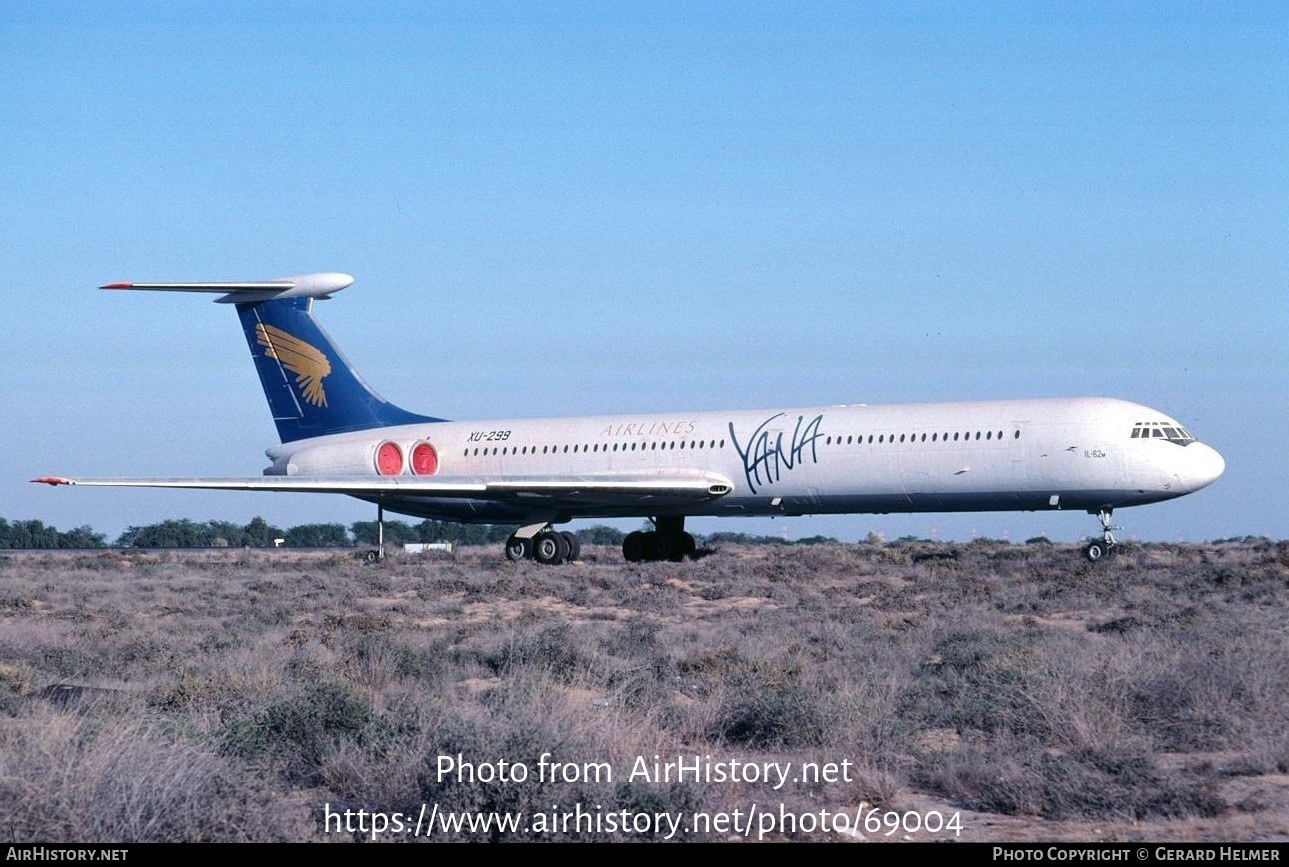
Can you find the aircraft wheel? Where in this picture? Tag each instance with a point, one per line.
(1096, 551)
(633, 547)
(651, 546)
(666, 547)
(688, 546)
(550, 548)
(574, 545)
(371, 557)
(518, 549)
(673, 546)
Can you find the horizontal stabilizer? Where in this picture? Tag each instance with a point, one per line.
(319, 285)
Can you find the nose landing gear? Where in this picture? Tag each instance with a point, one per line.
(1103, 548)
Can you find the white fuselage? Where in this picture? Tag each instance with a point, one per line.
(1071, 453)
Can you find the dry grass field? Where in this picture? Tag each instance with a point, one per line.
(231, 695)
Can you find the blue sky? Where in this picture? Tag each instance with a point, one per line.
(565, 208)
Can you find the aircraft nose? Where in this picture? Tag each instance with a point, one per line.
(1203, 466)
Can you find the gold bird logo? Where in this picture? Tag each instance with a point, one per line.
(308, 364)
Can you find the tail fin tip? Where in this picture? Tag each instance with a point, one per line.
(315, 285)
(312, 389)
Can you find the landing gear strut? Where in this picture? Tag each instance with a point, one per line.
(1105, 547)
(378, 553)
(544, 544)
(668, 541)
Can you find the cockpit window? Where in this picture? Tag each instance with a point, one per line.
(1162, 431)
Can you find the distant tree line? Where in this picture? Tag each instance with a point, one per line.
(34, 534)
(184, 533)
(258, 533)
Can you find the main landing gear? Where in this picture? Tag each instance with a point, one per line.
(551, 547)
(668, 541)
(542, 543)
(1105, 547)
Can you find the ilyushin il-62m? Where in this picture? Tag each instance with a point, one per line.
(338, 436)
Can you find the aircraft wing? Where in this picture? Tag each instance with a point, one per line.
(664, 487)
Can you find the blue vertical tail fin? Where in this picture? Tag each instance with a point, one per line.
(311, 387)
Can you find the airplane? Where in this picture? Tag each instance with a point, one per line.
(338, 436)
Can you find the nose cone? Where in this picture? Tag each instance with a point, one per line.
(1203, 466)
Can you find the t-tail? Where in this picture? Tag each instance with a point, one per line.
(311, 387)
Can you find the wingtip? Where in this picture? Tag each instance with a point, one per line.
(51, 480)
